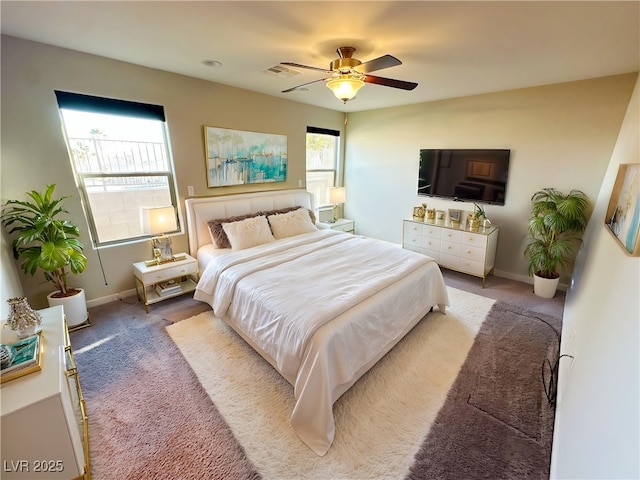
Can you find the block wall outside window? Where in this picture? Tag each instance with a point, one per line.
(120, 157)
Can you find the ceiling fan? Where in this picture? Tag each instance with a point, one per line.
(348, 74)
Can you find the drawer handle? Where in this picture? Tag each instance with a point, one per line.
(469, 251)
(471, 239)
(449, 247)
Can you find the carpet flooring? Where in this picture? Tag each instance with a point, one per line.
(496, 423)
(403, 393)
(149, 416)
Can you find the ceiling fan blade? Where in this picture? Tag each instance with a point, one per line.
(299, 65)
(379, 63)
(303, 85)
(390, 82)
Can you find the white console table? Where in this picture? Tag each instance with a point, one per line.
(44, 420)
(469, 252)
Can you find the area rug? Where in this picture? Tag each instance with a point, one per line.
(497, 422)
(381, 422)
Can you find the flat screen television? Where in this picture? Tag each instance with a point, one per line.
(466, 175)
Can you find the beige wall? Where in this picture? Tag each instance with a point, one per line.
(10, 285)
(597, 429)
(559, 135)
(34, 152)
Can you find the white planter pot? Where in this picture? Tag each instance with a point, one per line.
(75, 307)
(545, 287)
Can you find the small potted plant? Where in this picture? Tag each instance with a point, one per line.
(555, 226)
(46, 241)
(475, 219)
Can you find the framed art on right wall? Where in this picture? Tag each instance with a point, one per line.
(623, 212)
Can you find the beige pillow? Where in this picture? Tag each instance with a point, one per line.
(289, 224)
(219, 238)
(248, 233)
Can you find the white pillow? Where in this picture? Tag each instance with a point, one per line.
(291, 223)
(248, 233)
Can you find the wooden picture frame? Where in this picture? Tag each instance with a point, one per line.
(623, 212)
(235, 157)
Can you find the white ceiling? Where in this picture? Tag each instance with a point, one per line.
(450, 48)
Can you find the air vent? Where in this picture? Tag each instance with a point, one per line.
(281, 71)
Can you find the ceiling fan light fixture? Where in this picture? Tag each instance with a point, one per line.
(345, 87)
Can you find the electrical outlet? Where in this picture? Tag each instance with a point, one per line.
(190, 190)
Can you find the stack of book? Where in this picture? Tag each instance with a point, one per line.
(168, 288)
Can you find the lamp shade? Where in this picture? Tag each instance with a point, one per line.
(337, 195)
(345, 87)
(158, 220)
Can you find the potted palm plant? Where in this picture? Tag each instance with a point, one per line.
(43, 240)
(555, 226)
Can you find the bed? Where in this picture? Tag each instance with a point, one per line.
(321, 306)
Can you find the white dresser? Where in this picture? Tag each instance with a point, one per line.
(44, 421)
(453, 248)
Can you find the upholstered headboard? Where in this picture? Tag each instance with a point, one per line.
(202, 209)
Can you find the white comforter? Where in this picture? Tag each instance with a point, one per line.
(322, 308)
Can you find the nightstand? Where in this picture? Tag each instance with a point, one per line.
(177, 278)
(342, 224)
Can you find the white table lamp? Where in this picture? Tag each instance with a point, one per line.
(337, 195)
(158, 221)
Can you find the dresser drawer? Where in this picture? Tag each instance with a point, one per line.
(472, 267)
(474, 239)
(472, 253)
(431, 243)
(450, 261)
(412, 239)
(431, 231)
(169, 273)
(451, 236)
(347, 227)
(412, 228)
(451, 248)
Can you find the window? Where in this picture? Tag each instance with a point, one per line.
(120, 157)
(323, 147)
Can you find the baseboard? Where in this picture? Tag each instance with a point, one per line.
(524, 278)
(110, 298)
(513, 276)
